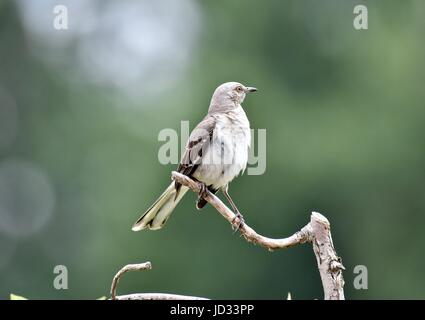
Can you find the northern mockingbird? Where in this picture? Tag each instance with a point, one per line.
(217, 151)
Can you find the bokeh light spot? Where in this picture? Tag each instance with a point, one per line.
(8, 119)
(7, 249)
(26, 198)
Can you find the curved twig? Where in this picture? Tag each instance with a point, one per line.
(130, 267)
(302, 236)
(143, 296)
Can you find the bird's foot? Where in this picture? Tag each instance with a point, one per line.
(238, 221)
(203, 191)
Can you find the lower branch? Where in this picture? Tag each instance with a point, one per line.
(129, 267)
(143, 296)
(157, 296)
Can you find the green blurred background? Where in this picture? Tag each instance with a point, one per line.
(80, 113)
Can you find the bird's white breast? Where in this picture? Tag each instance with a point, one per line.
(227, 155)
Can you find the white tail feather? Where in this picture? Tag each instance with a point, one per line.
(157, 215)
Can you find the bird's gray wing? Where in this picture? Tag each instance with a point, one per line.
(197, 145)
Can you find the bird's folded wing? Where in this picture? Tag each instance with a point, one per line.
(197, 145)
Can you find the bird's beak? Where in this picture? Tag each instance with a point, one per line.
(250, 89)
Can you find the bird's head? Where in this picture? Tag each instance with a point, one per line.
(230, 94)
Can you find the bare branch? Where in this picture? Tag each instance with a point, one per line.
(143, 296)
(302, 236)
(317, 232)
(157, 296)
(330, 266)
(129, 267)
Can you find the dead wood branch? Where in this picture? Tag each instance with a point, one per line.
(317, 232)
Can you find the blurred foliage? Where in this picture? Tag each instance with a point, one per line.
(344, 112)
(16, 297)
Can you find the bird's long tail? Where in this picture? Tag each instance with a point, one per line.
(157, 215)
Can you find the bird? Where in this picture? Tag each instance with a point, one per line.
(215, 153)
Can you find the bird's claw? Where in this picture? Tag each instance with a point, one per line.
(238, 222)
(203, 191)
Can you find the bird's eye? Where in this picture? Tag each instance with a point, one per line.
(239, 89)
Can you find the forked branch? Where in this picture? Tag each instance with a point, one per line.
(317, 232)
